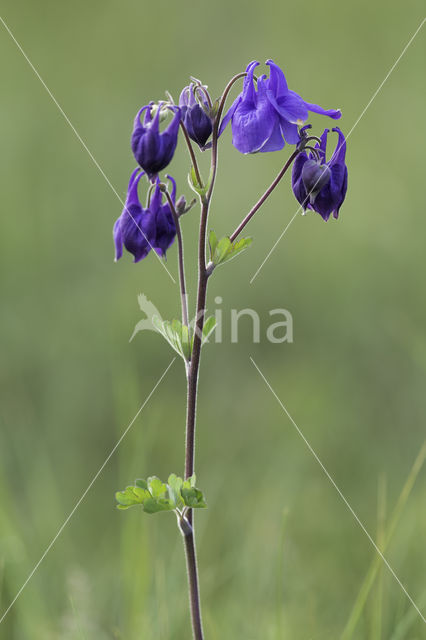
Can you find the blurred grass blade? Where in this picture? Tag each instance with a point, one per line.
(369, 579)
(280, 576)
(404, 625)
(376, 631)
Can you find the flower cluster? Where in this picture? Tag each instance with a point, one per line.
(264, 117)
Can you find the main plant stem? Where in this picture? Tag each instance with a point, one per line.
(193, 372)
(196, 349)
(194, 365)
(194, 592)
(192, 368)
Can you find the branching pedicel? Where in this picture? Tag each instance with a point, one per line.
(265, 116)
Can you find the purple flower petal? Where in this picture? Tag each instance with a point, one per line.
(118, 239)
(254, 120)
(290, 107)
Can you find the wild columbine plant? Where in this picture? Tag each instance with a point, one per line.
(264, 117)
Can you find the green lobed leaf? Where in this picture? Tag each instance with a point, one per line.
(195, 185)
(154, 496)
(223, 250)
(157, 488)
(176, 334)
(193, 498)
(238, 247)
(131, 496)
(175, 485)
(151, 505)
(141, 483)
(224, 247)
(212, 243)
(209, 327)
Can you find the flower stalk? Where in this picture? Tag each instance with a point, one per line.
(181, 259)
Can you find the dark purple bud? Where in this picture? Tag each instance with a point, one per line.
(322, 186)
(297, 182)
(195, 111)
(315, 176)
(153, 149)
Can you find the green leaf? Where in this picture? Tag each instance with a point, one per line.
(224, 250)
(224, 247)
(195, 185)
(209, 327)
(141, 483)
(176, 334)
(238, 247)
(155, 506)
(175, 486)
(190, 482)
(157, 488)
(131, 496)
(155, 496)
(193, 498)
(212, 243)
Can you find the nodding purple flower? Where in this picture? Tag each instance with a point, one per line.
(194, 109)
(153, 150)
(266, 117)
(142, 229)
(320, 185)
(165, 229)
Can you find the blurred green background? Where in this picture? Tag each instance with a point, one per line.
(280, 555)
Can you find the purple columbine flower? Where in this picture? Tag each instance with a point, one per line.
(266, 117)
(165, 229)
(141, 229)
(153, 150)
(318, 184)
(194, 109)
